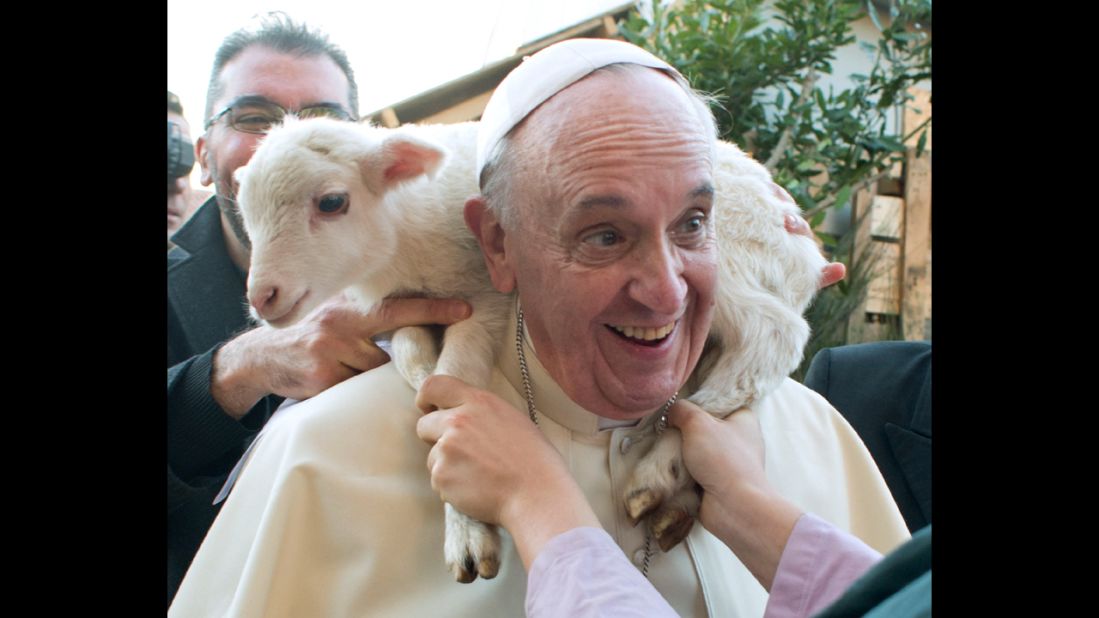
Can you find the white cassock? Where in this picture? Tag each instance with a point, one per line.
(334, 514)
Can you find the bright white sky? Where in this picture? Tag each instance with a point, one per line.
(398, 48)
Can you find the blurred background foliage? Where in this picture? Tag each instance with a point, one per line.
(762, 61)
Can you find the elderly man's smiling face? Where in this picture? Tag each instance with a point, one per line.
(613, 249)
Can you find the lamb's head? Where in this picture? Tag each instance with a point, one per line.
(313, 199)
(754, 242)
(767, 277)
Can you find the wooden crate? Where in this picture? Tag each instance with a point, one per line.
(896, 230)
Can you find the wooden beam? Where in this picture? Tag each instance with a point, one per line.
(389, 118)
(610, 27)
(470, 109)
(916, 291)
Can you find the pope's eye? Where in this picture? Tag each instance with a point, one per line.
(694, 224)
(603, 238)
(332, 203)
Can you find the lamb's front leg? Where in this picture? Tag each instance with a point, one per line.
(469, 346)
(414, 354)
(472, 547)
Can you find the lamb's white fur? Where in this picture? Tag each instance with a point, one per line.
(405, 234)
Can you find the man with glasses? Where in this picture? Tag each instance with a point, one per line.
(225, 378)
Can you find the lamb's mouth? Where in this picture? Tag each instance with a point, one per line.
(642, 335)
(291, 315)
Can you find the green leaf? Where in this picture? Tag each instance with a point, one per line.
(817, 219)
(842, 196)
(826, 238)
(872, 11)
(921, 143)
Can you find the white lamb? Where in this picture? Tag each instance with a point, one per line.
(332, 205)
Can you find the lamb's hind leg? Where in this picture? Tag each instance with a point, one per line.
(661, 489)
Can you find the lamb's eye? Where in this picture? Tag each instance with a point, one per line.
(332, 203)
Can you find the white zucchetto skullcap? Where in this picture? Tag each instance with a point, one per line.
(548, 72)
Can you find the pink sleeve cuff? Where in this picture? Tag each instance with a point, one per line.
(819, 563)
(582, 572)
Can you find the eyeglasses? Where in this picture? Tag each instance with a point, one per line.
(256, 115)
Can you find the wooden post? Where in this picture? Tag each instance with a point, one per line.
(858, 329)
(916, 303)
(916, 306)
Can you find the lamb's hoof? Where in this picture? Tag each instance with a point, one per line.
(670, 526)
(639, 502)
(472, 549)
(468, 570)
(489, 566)
(463, 573)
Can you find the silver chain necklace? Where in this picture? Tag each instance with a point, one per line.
(528, 392)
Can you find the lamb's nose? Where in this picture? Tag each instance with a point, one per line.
(264, 300)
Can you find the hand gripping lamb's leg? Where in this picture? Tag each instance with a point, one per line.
(472, 547)
(766, 279)
(661, 488)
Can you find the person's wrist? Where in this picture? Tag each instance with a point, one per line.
(739, 503)
(553, 504)
(237, 382)
(533, 498)
(754, 521)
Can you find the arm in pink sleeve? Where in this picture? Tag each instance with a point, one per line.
(818, 564)
(583, 573)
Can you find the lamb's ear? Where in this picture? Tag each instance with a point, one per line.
(399, 159)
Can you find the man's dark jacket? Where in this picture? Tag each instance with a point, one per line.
(206, 307)
(884, 390)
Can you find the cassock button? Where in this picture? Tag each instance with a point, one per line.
(639, 557)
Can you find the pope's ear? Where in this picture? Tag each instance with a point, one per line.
(482, 221)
